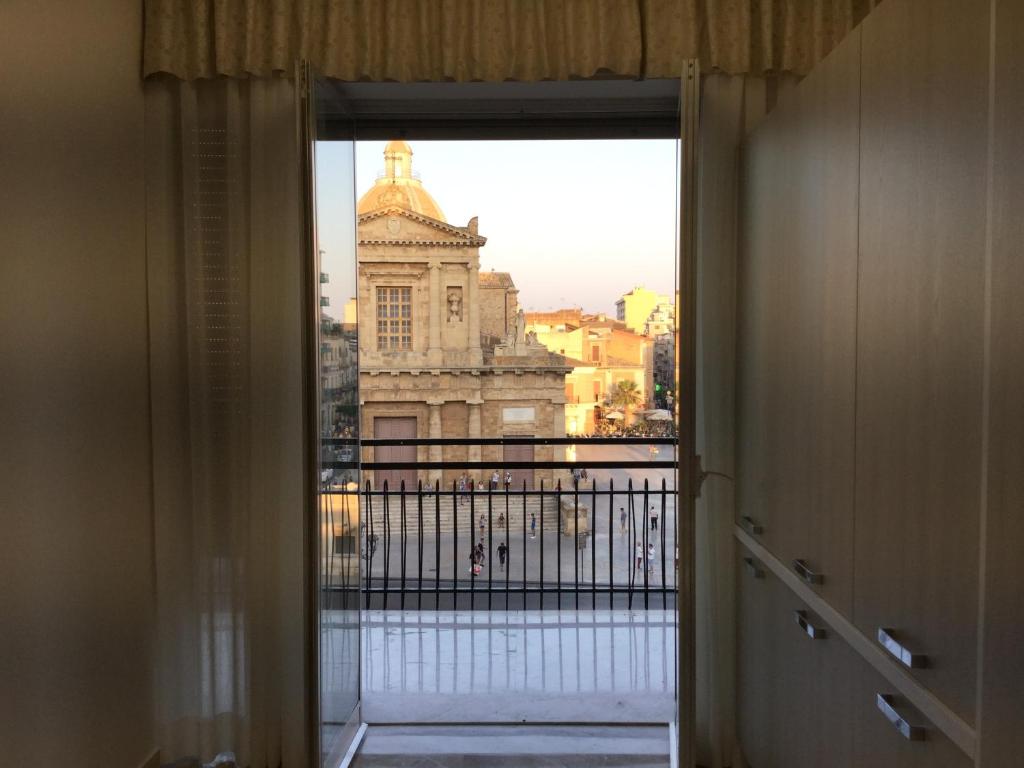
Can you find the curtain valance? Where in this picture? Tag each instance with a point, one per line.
(491, 40)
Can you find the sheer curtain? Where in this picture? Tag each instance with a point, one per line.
(224, 273)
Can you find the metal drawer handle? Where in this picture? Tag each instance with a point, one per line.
(751, 526)
(908, 731)
(805, 573)
(813, 632)
(907, 658)
(756, 572)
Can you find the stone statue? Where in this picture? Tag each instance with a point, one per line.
(520, 329)
(454, 306)
(531, 339)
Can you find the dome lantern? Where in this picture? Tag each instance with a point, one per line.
(398, 186)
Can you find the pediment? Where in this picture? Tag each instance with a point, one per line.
(397, 226)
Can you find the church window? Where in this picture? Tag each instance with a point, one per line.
(394, 318)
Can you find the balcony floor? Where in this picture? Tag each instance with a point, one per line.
(518, 666)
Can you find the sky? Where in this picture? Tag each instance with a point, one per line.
(576, 223)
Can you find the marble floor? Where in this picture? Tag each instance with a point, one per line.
(521, 746)
(556, 672)
(518, 666)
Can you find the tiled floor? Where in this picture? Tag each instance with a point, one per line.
(491, 668)
(519, 666)
(509, 746)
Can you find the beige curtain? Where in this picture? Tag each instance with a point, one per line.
(491, 40)
(730, 107)
(745, 36)
(223, 254)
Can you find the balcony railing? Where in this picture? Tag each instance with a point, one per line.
(605, 541)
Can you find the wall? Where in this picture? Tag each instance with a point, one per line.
(1001, 705)
(76, 551)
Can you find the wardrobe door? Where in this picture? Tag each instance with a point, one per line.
(889, 733)
(755, 660)
(816, 730)
(766, 233)
(798, 324)
(1000, 731)
(793, 678)
(920, 358)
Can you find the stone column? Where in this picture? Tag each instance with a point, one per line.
(435, 452)
(558, 452)
(474, 432)
(437, 303)
(473, 309)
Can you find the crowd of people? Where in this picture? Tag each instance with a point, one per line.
(465, 484)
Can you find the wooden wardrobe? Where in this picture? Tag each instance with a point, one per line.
(880, 381)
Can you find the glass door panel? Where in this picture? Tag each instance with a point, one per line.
(340, 554)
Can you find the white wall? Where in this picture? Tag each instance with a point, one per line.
(76, 579)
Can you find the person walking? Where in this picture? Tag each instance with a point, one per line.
(483, 525)
(474, 563)
(533, 525)
(501, 520)
(481, 556)
(502, 552)
(508, 479)
(622, 521)
(650, 557)
(494, 480)
(654, 519)
(639, 556)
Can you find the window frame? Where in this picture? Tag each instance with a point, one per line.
(397, 340)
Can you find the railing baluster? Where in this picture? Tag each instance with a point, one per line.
(558, 548)
(437, 546)
(541, 580)
(402, 538)
(592, 535)
(472, 570)
(490, 541)
(647, 545)
(369, 537)
(507, 540)
(576, 542)
(631, 504)
(387, 545)
(611, 548)
(455, 557)
(662, 519)
(419, 551)
(524, 545)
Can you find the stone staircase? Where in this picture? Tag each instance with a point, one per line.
(467, 513)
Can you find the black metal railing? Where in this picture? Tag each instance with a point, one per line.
(591, 542)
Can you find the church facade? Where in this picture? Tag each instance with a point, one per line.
(443, 350)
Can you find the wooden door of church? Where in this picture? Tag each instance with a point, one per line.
(394, 427)
(519, 453)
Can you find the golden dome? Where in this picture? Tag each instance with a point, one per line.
(399, 186)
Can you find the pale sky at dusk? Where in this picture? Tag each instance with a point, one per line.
(575, 222)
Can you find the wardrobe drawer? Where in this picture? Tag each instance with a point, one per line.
(889, 733)
(793, 677)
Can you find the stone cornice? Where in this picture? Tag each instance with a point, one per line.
(465, 237)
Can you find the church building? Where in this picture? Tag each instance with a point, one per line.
(443, 349)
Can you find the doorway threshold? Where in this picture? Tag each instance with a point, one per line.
(519, 745)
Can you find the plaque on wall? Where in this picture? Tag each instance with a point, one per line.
(518, 414)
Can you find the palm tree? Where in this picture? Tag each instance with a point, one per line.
(625, 395)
